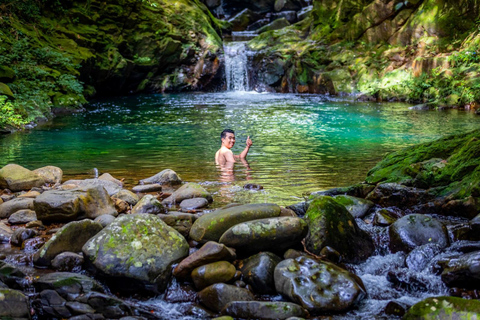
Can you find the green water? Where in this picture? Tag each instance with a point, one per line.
(302, 143)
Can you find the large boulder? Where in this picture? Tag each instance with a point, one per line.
(10, 207)
(463, 271)
(211, 226)
(330, 224)
(71, 237)
(13, 304)
(166, 177)
(444, 308)
(357, 207)
(209, 252)
(50, 174)
(217, 296)
(69, 205)
(149, 204)
(17, 178)
(188, 191)
(318, 286)
(264, 310)
(270, 234)
(137, 249)
(258, 271)
(416, 230)
(111, 187)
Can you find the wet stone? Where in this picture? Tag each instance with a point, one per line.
(194, 203)
(20, 235)
(149, 204)
(463, 271)
(258, 272)
(5, 233)
(419, 258)
(217, 296)
(79, 308)
(68, 261)
(216, 272)
(13, 304)
(147, 188)
(264, 310)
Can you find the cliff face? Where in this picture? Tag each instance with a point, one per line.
(57, 53)
(417, 51)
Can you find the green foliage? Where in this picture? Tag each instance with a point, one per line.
(8, 114)
(465, 57)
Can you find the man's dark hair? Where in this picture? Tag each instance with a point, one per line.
(224, 133)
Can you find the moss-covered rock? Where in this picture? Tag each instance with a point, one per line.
(264, 310)
(17, 178)
(444, 308)
(13, 304)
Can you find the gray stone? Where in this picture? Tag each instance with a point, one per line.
(147, 188)
(79, 308)
(304, 13)
(318, 286)
(71, 237)
(194, 203)
(188, 191)
(291, 16)
(137, 249)
(182, 222)
(53, 305)
(50, 174)
(109, 306)
(418, 259)
(17, 178)
(13, 304)
(109, 177)
(165, 177)
(243, 19)
(68, 261)
(111, 187)
(149, 204)
(67, 284)
(12, 276)
(20, 235)
(264, 310)
(10, 207)
(127, 196)
(22, 216)
(217, 296)
(463, 271)
(104, 220)
(275, 25)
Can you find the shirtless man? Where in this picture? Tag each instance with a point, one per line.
(224, 155)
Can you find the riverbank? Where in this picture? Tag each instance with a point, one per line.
(416, 228)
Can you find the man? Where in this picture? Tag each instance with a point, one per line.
(224, 155)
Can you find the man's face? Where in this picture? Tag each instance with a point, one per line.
(229, 140)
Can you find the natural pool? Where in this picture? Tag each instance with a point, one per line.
(302, 143)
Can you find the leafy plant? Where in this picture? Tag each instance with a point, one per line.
(8, 115)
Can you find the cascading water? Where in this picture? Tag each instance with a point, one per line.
(236, 66)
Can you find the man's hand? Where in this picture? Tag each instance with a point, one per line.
(249, 142)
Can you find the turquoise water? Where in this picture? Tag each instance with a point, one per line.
(302, 143)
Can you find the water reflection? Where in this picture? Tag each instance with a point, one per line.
(302, 142)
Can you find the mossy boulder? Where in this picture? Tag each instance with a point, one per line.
(318, 286)
(211, 226)
(330, 224)
(71, 237)
(13, 304)
(17, 178)
(444, 308)
(270, 234)
(137, 249)
(5, 90)
(216, 272)
(357, 207)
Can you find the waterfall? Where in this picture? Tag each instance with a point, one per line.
(236, 66)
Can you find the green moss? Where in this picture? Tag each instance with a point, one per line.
(445, 308)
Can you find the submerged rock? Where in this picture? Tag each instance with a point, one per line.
(209, 252)
(137, 249)
(217, 296)
(211, 226)
(188, 191)
(264, 310)
(17, 178)
(318, 286)
(270, 234)
(258, 271)
(415, 230)
(330, 224)
(444, 308)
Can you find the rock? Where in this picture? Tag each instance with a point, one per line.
(109, 307)
(258, 272)
(67, 284)
(299, 208)
(409, 281)
(69, 205)
(79, 308)
(111, 187)
(209, 252)
(418, 258)
(415, 230)
(291, 16)
(68, 261)
(216, 272)
(127, 196)
(53, 305)
(252, 186)
(217, 296)
(20, 235)
(29, 194)
(182, 222)
(50, 174)
(109, 177)
(137, 249)
(394, 308)
(444, 308)
(385, 217)
(149, 204)
(22, 216)
(35, 224)
(165, 177)
(357, 207)
(188, 191)
(286, 5)
(319, 287)
(304, 13)
(243, 19)
(397, 195)
(17, 178)
(104, 220)
(463, 271)
(274, 25)
(13, 304)
(194, 203)
(120, 205)
(147, 188)
(71, 237)
(5, 233)
(12, 276)
(264, 310)
(330, 224)
(211, 226)
(10, 207)
(270, 234)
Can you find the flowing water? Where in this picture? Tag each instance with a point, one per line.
(236, 66)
